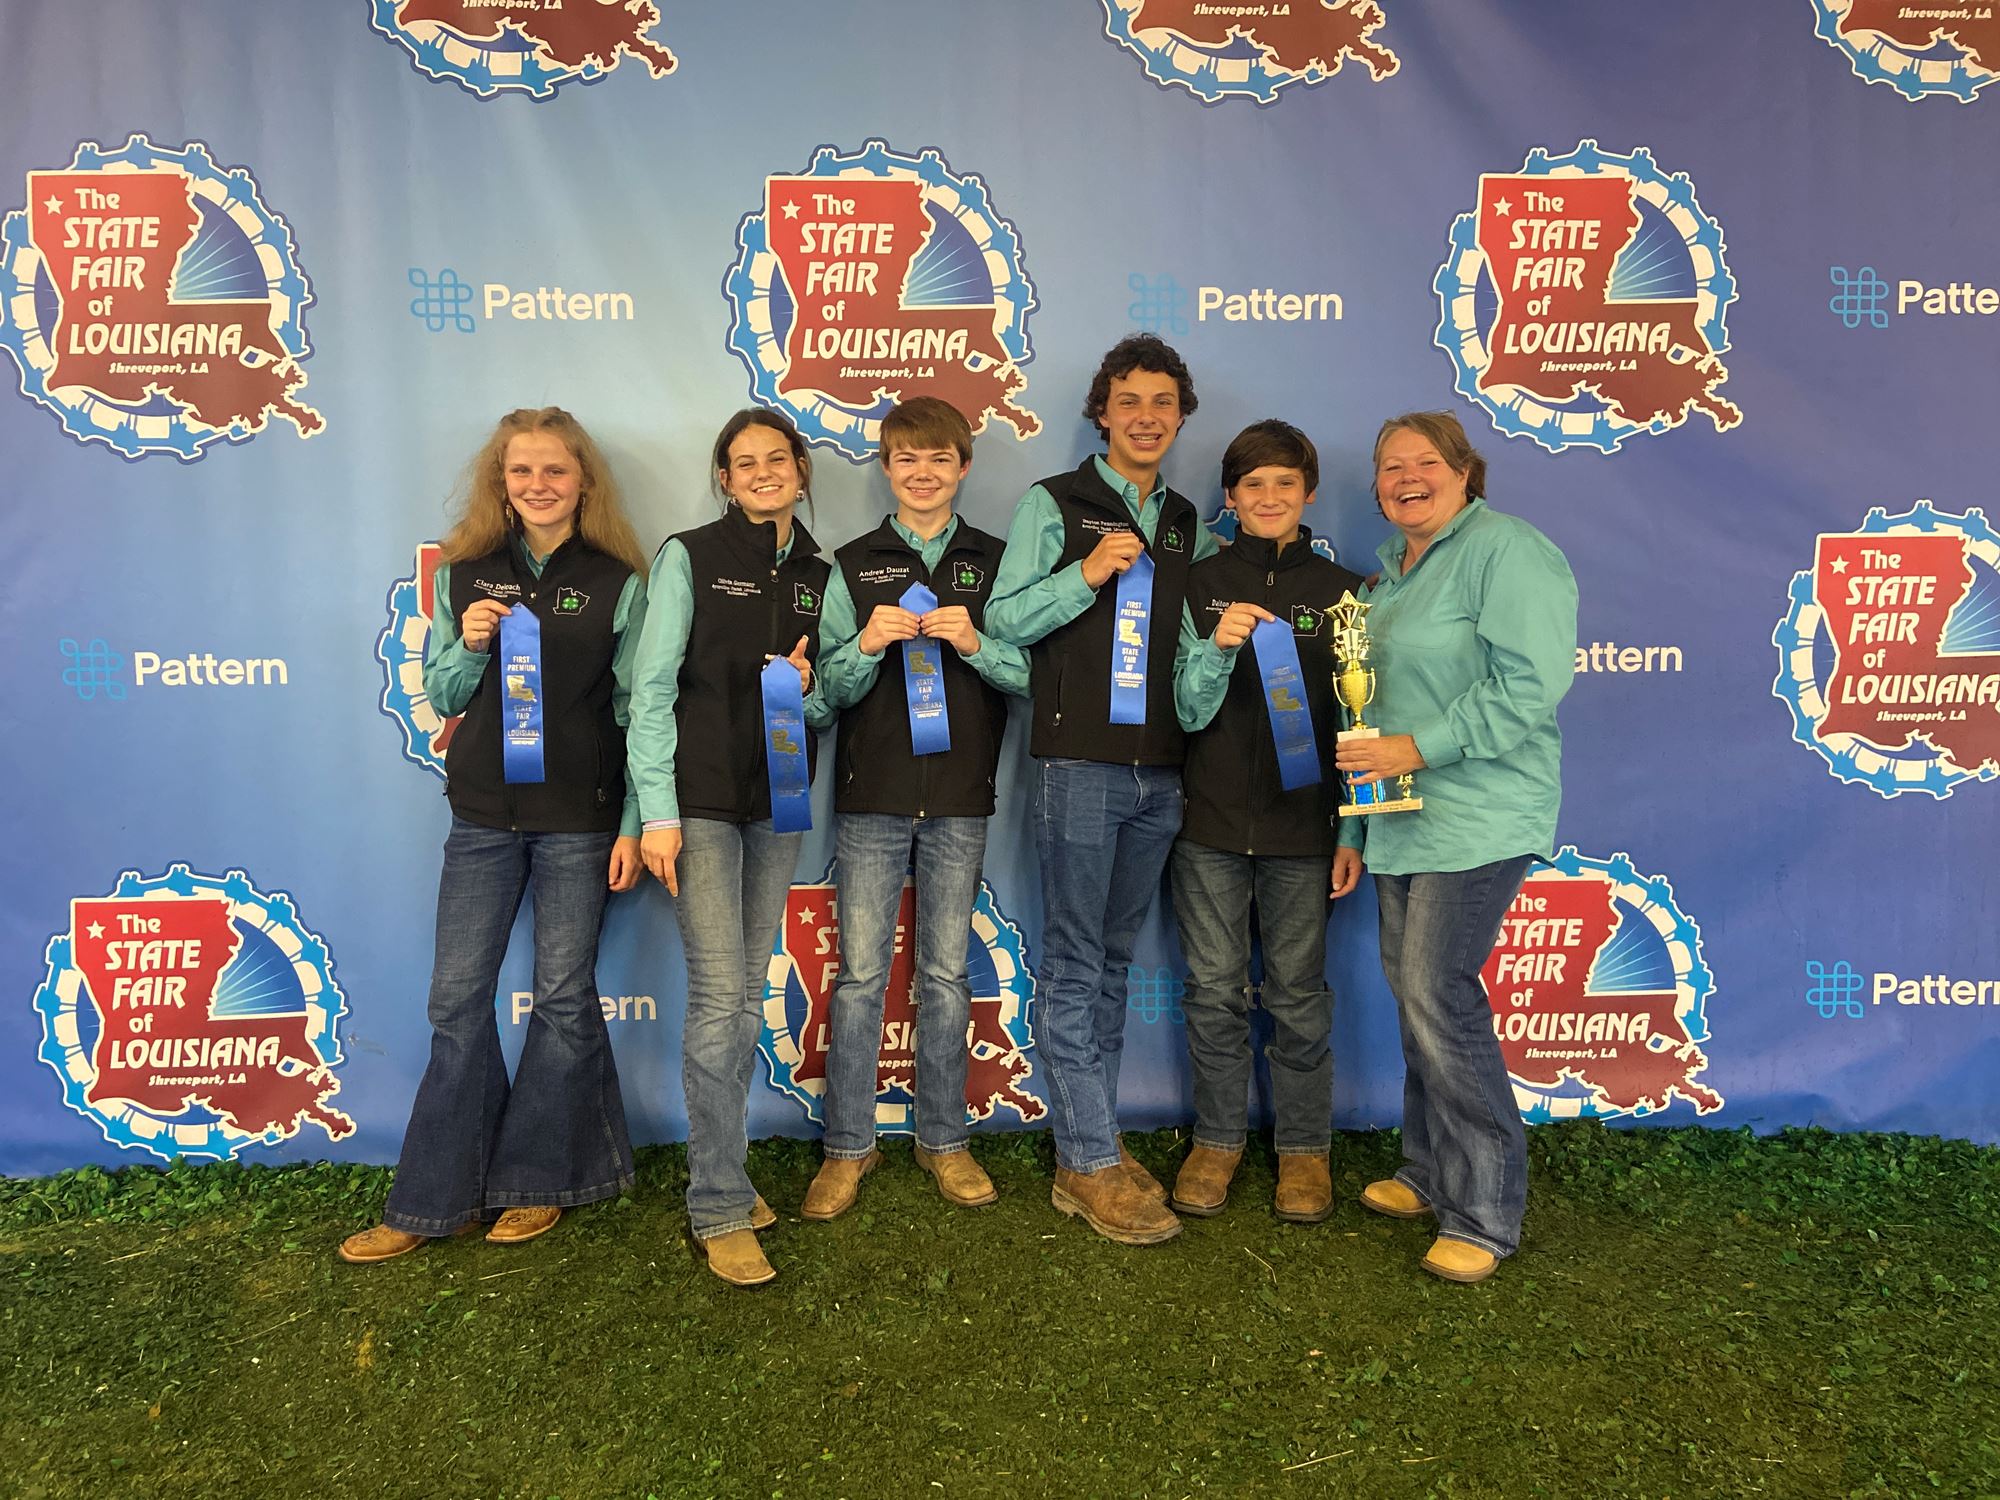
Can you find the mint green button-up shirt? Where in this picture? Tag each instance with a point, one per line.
(1030, 596)
(846, 672)
(1472, 649)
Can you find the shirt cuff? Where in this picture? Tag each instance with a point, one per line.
(1436, 746)
(654, 825)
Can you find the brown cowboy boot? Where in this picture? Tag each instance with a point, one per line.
(519, 1225)
(1202, 1186)
(738, 1259)
(961, 1179)
(1457, 1260)
(1305, 1188)
(1110, 1202)
(1395, 1199)
(836, 1187)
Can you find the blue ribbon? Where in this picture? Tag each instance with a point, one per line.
(1129, 634)
(1285, 702)
(923, 680)
(520, 696)
(785, 747)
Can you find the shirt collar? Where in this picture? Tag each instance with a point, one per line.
(1396, 544)
(917, 543)
(1120, 485)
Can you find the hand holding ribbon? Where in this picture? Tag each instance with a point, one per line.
(923, 680)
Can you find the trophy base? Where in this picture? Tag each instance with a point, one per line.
(1405, 804)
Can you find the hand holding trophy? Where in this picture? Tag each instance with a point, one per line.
(1355, 685)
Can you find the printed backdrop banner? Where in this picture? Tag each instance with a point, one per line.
(1714, 290)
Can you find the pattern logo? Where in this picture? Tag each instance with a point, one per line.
(1835, 991)
(443, 301)
(876, 277)
(1858, 297)
(530, 47)
(1159, 304)
(1599, 993)
(191, 1016)
(1252, 51)
(798, 989)
(1889, 657)
(1951, 48)
(93, 670)
(153, 303)
(400, 648)
(1583, 301)
(1155, 995)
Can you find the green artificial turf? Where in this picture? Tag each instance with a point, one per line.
(1693, 1314)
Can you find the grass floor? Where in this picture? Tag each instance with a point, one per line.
(1693, 1314)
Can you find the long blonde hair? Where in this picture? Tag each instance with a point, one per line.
(485, 520)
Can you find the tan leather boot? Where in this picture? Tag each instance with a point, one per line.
(961, 1179)
(1305, 1188)
(1202, 1185)
(738, 1259)
(1456, 1260)
(1109, 1201)
(836, 1187)
(1394, 1199)
(379, 1243)
(762, 1215)
(1148, 1183)
(519, 1225)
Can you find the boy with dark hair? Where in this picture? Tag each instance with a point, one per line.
(1093, 580)
(920, 731)
(1263, 805)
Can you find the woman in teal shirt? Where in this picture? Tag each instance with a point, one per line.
(1473, 629)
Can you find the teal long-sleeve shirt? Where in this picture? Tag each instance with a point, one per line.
(846, 672)
(655, 734)
(452, 669)
(1030, 596)
(1472, 649)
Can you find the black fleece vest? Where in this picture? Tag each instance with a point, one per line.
(1072, 664)
(878, 771)
(747, 606)
(583, 749)
(1234, 798)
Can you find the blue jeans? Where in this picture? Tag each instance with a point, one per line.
(1465, 1152)
(1213, 889)
(1103, 833)
(874, 850)
(734, 878)
(557, 1137)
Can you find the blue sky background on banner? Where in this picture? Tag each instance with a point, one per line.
(1129, 198)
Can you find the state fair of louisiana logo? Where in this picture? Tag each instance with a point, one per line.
(1889, 657)
(1950, 48)
(193, 1016)
(1248, 51)
(400, 649)
(153, 303)
(530, 47)
(874, 277)
(1583, 301)
(1599, 993)
(798, 990)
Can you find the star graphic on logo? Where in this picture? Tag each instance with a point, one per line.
(95, 929)
(1502, 207)
(791, 210)
(1839, 565)
(53, 204)
(807, 919)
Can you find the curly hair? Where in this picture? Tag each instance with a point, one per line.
(1142, 351)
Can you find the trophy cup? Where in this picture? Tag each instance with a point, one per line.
(1355, 685)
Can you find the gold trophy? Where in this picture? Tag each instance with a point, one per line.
(1355, 684)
